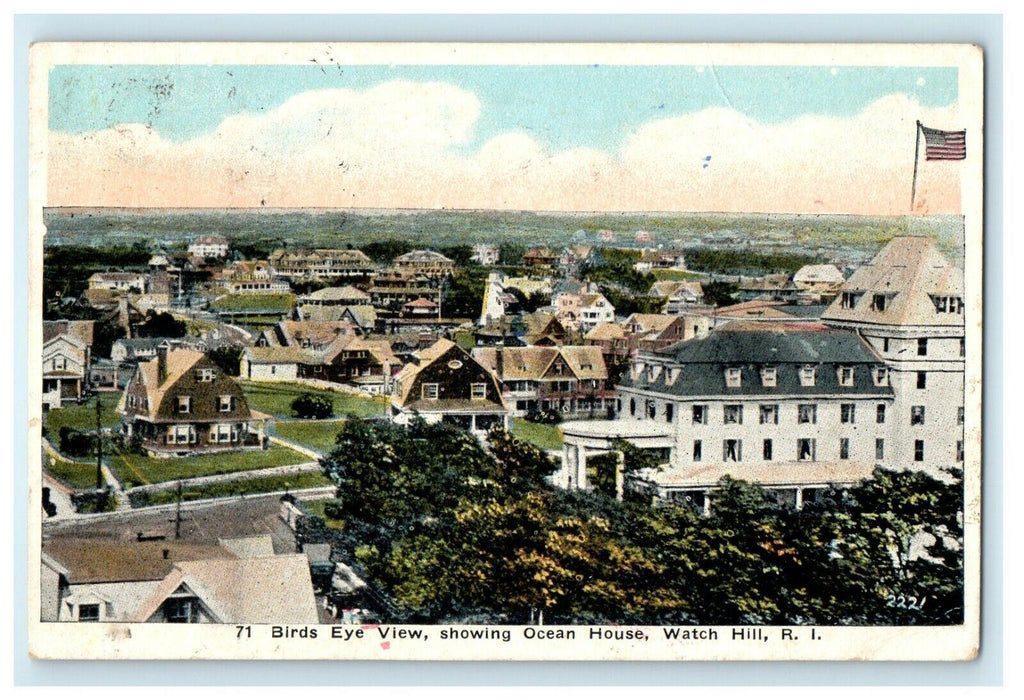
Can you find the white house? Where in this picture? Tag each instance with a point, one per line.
(211, 246)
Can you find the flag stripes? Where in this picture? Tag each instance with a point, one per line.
(944, 145)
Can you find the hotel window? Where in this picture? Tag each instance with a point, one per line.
(846, 376)
(922, 380)
(917, 415)
(733, 377)
(963, 346)
(959, 450)
(879, 302)
(769, 414)
(847, 413)
(844, 448)
(880, 413)
(184, 404)
(805, 449)
(850, 299)
(697, 450)
(879, 449)
(769, 376)
(89, 612)
(632, 407)
(807, 413)
(767, 451)
(960, 415)
(732, 413)
(225, 403)
(807, 376)
(881, 375)
(918, 450)
(478, 391)
(670, 412)
(885, 345)
(732, 450)
(429, 391)
(700, 414)
(652, 409)
(922, 347)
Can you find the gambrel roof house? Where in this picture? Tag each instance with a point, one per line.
(182, 401)
(445, 384)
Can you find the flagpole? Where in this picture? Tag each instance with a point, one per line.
(917, 149)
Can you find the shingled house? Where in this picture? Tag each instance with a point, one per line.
(181, 401)
(445, 384)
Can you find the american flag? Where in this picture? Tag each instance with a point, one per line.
(944, 145)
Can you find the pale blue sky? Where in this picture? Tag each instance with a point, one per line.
(559, 106)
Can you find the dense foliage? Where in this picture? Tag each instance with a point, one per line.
(745, 262)
(447, 529)
(312, 406)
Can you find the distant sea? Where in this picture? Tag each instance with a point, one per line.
(845, 240)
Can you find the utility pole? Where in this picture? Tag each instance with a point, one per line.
(99, 446)
(177, 515)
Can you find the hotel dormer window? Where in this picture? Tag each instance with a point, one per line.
(850, 299)
(205, 374)
(807, 375)
(881, 376)
(846, 376)
(769, 376)
(733, 377)
(880, 302)
(429, 391)
(184, 404)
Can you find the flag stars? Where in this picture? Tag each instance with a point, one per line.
(921, 81)
(834, 71)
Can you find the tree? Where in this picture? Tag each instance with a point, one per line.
(313, 406)
(228, 358)
(161, 325)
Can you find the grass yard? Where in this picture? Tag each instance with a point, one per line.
(83, 416)
(254, 302)
(138, 470)
(317, 508)
(268, 484)
(80, 477)
(677, 275)
(464, 339)
(276, 399)
(546, 437)
(315, 434)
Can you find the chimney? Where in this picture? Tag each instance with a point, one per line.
(161, 364)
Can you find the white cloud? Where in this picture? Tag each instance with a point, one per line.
(402, 144)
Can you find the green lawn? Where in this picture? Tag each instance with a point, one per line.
(83, 416)
(317, 508)
(317, 435)
(268, 484)
(254, 302)
(676, 275)
(137, 470)
(276, 399)
(81, 477)
(546, 437)
(464, 339)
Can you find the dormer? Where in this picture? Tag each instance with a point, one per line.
(849, 299)
(808, 375)
(769, 376)
(880, 376)
(653, 372)
(672, 374)
(947, 304)
(733, 377)
(638, 370)
(881, 301)
(845, 376)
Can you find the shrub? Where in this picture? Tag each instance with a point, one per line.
(313, 406)
(75, 443)
(550, 417)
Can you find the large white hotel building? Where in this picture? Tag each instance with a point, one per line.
(797, 406)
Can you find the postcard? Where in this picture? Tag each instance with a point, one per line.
(505, 351)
